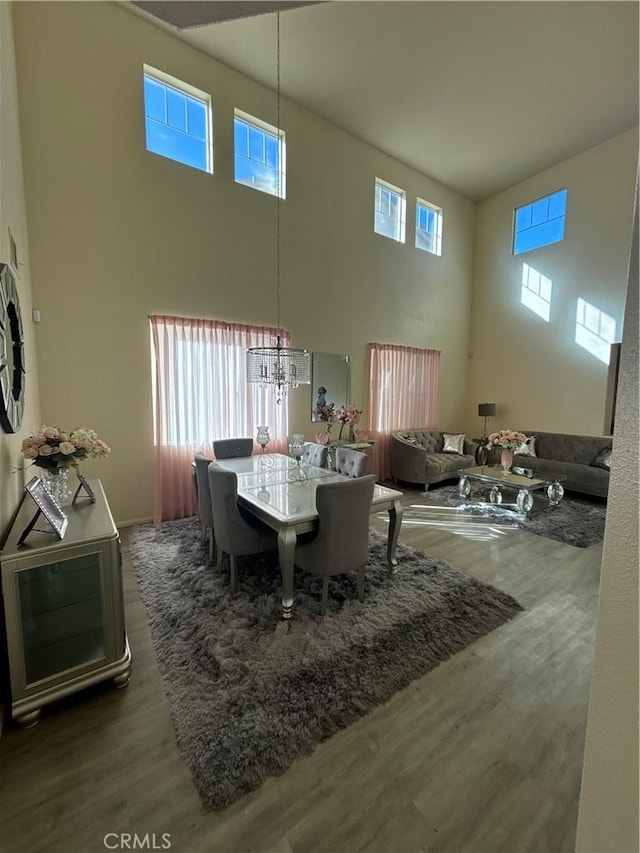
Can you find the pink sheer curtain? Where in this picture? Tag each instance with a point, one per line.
(403, 393)
(200, 394)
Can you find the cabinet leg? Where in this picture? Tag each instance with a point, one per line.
(29, 720)
(122, 680)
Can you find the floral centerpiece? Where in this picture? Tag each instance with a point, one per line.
(56, 451)
(347, 415)
(324, 412)
(509, 440)
(53, 448)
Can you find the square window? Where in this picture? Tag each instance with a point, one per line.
(539, 223)
(428, 227)
(177, 120)
(390, 211)
(259, 154)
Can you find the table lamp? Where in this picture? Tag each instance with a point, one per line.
(486, 410)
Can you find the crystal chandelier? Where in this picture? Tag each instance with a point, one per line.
(279, 367)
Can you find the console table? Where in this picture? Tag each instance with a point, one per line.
(63, 607)
(362, 446)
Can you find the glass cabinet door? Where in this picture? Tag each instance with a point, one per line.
(61, 616)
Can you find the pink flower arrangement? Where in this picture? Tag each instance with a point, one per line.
(347, 415)
(53, 448)
(325, 412)
(509, 439)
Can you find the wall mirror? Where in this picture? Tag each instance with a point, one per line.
(330, 383)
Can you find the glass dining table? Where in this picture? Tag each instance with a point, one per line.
(282, 494)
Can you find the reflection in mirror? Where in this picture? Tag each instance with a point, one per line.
(329, 384)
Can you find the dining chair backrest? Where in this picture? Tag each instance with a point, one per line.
(342, 541)
(236, 535)
(315, 454)
(351, 463)
(205, 511)
(230, 448)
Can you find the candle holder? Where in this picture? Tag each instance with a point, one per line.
(296, 450)
(263, 438)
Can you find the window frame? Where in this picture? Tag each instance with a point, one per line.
(514, 232)
(271, 130)
(192, 92)
(402, 221)
(427, 205)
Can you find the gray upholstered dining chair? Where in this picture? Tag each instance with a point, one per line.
(351, 463)
(229, 448)
(205, 511)
(238, 533)
(315, 454)
(342, 541)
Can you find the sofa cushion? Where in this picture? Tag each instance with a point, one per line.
(528, 447)
(603, 459)
(453, 442)
(579, 478)
(437, 464)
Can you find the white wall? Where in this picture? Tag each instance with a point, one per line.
(13, 217)
(118, 233)
(535, 372)
(608, 818)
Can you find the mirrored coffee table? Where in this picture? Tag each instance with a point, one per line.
(487, 483)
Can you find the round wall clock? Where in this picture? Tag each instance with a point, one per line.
(12, 372)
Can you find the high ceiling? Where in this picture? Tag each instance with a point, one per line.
(478, 95)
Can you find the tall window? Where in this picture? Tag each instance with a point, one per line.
(539, 223)
(403, 393)
(200, 394)
(390, 211)
(259, 154)
(428, 227)
(177, 120)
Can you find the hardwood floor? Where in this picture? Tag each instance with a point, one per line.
(482, 754)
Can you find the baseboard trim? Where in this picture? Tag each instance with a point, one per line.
(131, 522)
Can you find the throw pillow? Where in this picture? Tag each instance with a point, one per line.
(453, 442)
(603, 459)
(528, 447)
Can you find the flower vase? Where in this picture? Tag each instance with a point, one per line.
(352, 433)
(56, 483)
(506, 459)
(340, 433)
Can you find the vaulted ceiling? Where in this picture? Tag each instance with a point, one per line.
(478, 95)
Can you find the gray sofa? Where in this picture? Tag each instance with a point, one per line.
(417, 457)
(568, 455)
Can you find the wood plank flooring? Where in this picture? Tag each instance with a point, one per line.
(482, 754)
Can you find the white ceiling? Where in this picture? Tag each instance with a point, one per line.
(478, 95)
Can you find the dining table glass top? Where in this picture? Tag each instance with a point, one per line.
(276, 484)
(291, 502)
(258, 463)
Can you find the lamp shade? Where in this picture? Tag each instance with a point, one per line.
(486, 410)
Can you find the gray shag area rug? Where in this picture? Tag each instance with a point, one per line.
(250, 693)
(574, 521)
